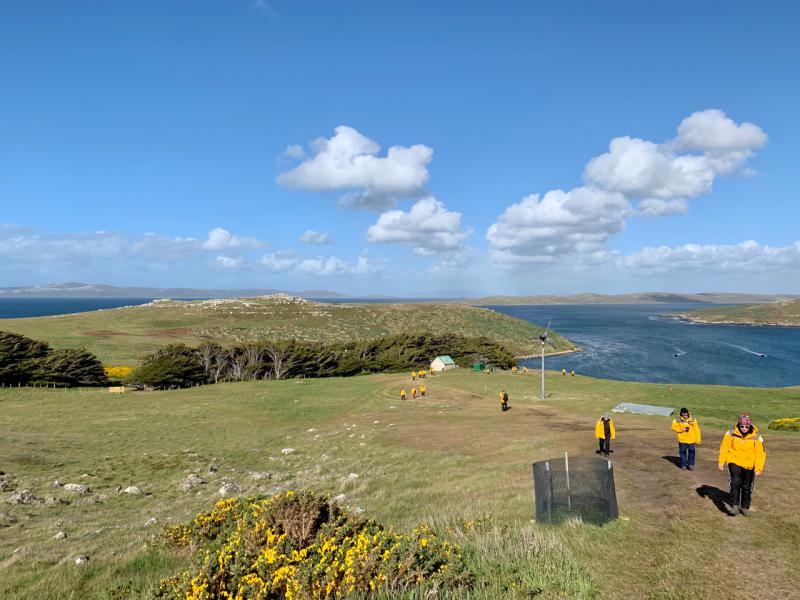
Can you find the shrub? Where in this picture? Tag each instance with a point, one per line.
(300, 546)
(69, 367)
(114, 372)
(175, 365)
(789, 424)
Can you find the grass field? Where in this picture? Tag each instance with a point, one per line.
(444, 459)
(775, 313)
(121, 335)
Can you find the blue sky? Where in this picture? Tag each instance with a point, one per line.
(172, 143)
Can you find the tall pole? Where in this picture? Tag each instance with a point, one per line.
(542, 369)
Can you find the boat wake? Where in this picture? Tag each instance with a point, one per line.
(743, 349)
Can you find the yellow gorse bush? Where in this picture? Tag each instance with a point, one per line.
(299, 546)
(113, 372)
(790, 424)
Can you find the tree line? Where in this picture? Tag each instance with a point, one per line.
(179, 365)
(24, 361)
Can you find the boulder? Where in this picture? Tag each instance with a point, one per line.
(53, 501)
(60, 536)
(76, 488)
(81, 559)
(132, 489)
(260, 475)
(191, 481)
(286, 451)
(151, 521)
(23, 497)
(228, 489)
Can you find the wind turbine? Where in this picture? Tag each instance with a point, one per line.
(543, 338)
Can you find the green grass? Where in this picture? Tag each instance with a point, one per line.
(121, 335)
(774, 313)
(445, 459)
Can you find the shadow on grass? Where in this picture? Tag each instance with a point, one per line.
(716, 495)
(674, 460)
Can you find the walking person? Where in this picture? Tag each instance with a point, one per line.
(422, 389)
(605, 431)
(688, 433)
(743, 450)
(403, 394)
(503, 400)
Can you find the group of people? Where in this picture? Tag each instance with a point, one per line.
(742, 450)
(422, 391)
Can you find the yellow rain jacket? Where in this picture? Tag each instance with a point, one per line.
(688, 431)
(599, 430)
(747, 451)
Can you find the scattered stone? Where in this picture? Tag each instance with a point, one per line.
(312, 430)
(86, 475)
(132, 489)
(53, 501)
(60, 536)
(352, 477)
(358, 510)
(5, 486)
(23, 497)
(191, 481)
(286, 451)
(324, 457)
(260, 475)
(81, 559)
(77, 488)
(56, 484)
(361, 444)
(118, 489)
(151, 521)
(339, 498)
(98, 499)
(375, 422)
(228, 489)
(213, 467)
(6, 519)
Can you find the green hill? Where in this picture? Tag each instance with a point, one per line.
(786, 314)
(120, 335)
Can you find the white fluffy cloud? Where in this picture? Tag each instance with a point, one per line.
(634, 177)
(220, 239)
(746, 257)
(289, 261)
(349, 162)
(560, 224)
(428, 227)
(315, 237)
(664, 176)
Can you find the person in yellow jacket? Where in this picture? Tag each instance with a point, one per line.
(413, 375)
(605, 431)
(422, 389)
(503, 400)
(421, 373)
(688, 433)
(403, 394)
(744, 452)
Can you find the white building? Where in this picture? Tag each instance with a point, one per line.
(442, 363)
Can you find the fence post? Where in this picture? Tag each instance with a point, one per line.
(569, 494)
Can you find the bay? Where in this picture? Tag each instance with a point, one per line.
(638, 343)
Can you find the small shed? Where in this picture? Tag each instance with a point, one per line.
(442, 363)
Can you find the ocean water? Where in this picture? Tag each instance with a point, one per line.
(636, 343)
(11, 308)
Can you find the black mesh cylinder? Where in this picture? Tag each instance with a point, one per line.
(580, 486)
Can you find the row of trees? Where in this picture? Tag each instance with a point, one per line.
(24, 361)
(178, 365)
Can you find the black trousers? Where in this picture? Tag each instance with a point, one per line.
(605, 445)
(742, 481)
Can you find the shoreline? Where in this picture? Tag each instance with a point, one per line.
(559, 353)
(699, 321)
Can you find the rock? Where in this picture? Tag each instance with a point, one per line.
(53, 501)
(352, 477)
(77, 488)
(287, 451)
(57, 484)
(312, 430)
(358, 510)
(98, 499)
(23, 497)
(151, 521)
(6, 519)
(260, 475)
(60, 536)
(324, 457)
(213, 467)
(81, 559)
(118, 489)
(191, 481)
(132, 489)
(5, 486)
(228, 489)
(339, 498)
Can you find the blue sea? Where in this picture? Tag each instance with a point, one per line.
(639, 343)
(620, 341)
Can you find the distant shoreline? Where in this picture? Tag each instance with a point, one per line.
(559, 353)
(698, 321)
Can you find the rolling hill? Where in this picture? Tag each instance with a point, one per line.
(786, 314)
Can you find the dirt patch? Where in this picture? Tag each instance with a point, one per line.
(171, 332)
(103, 333)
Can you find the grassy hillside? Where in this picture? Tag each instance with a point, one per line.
(120, 335)
(637, 298)
(452, 459)
(777, 313)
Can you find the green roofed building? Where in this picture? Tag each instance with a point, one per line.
(442, 363)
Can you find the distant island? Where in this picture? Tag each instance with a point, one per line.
(782, 314)
(636, 298)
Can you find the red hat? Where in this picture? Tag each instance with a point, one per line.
(744, 420)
